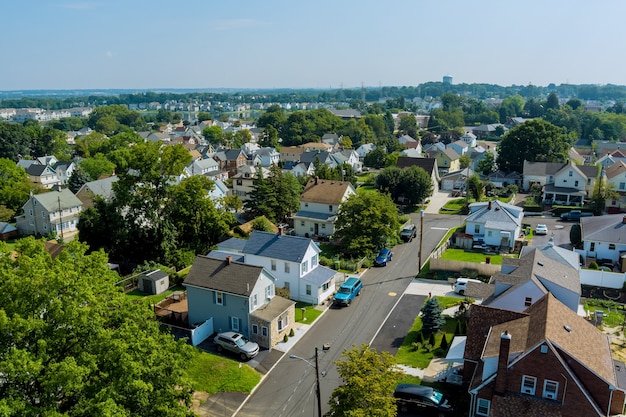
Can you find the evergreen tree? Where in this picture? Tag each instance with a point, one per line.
(262, 198)
(78, 178)
(444, 343)
(432, 320)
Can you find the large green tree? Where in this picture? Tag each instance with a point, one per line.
(432, 319)
(535, 140)
(368, 381)
(71, 344)
(416, 185)
(366, 222)
(276, 196)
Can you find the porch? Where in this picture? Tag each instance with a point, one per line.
(563, 196)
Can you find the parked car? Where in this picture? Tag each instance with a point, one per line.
(347, 291)
(408, 233)
(236, 343)
(421, 399)
(541, 229)
(383, 257)
(575, 215)
(461, 285)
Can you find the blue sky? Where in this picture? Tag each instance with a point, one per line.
(67, 44)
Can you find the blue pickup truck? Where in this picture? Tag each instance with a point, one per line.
(348, 290)
(575, 215)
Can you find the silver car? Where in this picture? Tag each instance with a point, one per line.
(236, 343)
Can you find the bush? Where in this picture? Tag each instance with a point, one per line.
(283, 292)
(291, 333)
(431, 339)
(444, 343)
(593, 265)
(285, 339)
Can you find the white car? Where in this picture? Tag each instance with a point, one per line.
(541, 229)
(236, 343)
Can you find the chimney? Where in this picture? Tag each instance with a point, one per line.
(281, 230)
(316, 180)
(503, 361)
(489, 206)
(229, 259)
(624, 219)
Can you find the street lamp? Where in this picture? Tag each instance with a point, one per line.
(317, 379)
(419, 267)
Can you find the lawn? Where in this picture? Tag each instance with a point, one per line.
(453, 206)
(310, 313)
(465, 256)
(140, 296)
(212, 373)
(614, 311)
(367, 189)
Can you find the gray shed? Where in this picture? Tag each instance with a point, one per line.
(154, 282)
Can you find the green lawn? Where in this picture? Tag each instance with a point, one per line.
(453, 206)
(465, 256)
(212, 373)
(310, 313)
(140, 296)
(615, 311)
(367, 189)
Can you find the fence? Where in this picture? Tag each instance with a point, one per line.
(602, 278)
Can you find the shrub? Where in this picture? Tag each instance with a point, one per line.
(283, 292)
(431, 339)
(444, 343)
(285, 339)
(291, 333)
(439, 352)
(593, 265)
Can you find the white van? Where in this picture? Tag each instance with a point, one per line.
(461, 284)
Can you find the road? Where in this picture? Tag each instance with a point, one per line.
(289, 389)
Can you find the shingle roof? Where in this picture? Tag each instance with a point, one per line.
(220, 275)
(270, 245)
(52, 200)
(273, 309)
(495, 215)
(609, 228)
(325, 191)
(102, 187)
(319, 275)
(233, 243)
(552, 168)
(618, 168)
(427, 164)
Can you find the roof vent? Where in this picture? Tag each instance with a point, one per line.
(567, 328)
(540, 263)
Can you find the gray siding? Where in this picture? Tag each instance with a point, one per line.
(202, 306)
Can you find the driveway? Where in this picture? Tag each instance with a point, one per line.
(438, 200)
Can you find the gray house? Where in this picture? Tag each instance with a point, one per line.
(238, 297)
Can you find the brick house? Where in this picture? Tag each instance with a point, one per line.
(545, 361)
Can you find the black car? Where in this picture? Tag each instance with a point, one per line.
(408, 233)
(422, 399)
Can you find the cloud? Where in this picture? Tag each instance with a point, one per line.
(80, 6)
(222, 25)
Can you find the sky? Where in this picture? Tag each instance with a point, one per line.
(153, 44)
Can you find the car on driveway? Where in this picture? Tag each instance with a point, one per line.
(236, 343)
(383, 257)
(541, 229)
(408, 233)
(422, 399)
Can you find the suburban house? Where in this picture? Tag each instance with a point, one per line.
(43, 174)
(349, 157)
(239, 297)
(292, 260)
(486, 131)
(364, 149)
(291, 153)
(615, 176)
(447, 159)
(243, 181)
(545, 361)
(64, 171)
(268, 156)
(206, 166)
(427, 164)
(494, 223)
(102, 188)
(604, 237)
(562, 183)
(609, 157)
(461, 147)
(523, 281)
(231, 160)
(456, 180)
(503, 179)
(313, 157)
(410, 142)
(319, 204)
(470, 139)
(52, 212)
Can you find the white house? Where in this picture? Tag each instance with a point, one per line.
(494, 222)
(604, 237)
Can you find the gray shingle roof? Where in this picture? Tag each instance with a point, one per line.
(609, 228)
(220, 275)
(495, 215)
(233, 243)
(270, 245)
(319, 275)
(52, 200)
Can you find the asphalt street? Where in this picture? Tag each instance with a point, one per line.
(289, 389)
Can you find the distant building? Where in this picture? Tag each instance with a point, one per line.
(447, 79)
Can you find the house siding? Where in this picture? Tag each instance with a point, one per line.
(515, 299)
(202, 307)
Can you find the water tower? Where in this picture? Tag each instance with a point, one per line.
(447, 79)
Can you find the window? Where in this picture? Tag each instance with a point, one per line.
(570, 173)
(325, 286)
(45, 227)
(528, 301)
(308, 289)
(482, 407)
(306, 204)
(234, 323)
(43, 214)
(30, 212)
(489, 233)
(476, 228)
(287, 269)
(219, 298)
(268, 291)
(611, 246)
(622, 185)
(528, 384)
(273, 264)
(313, 261)
(283, 322)
(264, 331)
(255, 329)
(286, 285)
(239, 182)
(330, 208)
(302, 223)
(550, 389)
(305, 267)
(592, 247)
(255, 300)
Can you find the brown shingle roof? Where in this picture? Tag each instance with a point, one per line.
(480, 321)
(427, 164)
(220, 275)
(324, 191)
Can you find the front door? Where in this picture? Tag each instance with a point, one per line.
(317, 229)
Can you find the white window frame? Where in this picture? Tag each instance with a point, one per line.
(273, 264)
(483, 407)
(234, 323)
(255, 300)
(309, 289)
(526, 388)
(550, 394)
(287, 268)
(283, 322)
(268, 291)
(219, 298)
(476, 228)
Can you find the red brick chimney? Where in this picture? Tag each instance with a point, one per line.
(503, 361)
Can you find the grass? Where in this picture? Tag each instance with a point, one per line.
(140, 296)
(464, 256)
(212, 373)
(615, 311)
(453, 206)
(367, 189)
(310, 313)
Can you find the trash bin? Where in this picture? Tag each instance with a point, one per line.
(487, 259)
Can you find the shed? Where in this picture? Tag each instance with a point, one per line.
(7, 231)
(154, 282)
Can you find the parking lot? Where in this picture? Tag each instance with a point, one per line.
(557, 229)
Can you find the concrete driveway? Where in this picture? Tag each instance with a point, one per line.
(438, 200)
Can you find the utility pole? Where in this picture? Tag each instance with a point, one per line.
(60, 215)
(317, 385)
(419, 267)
